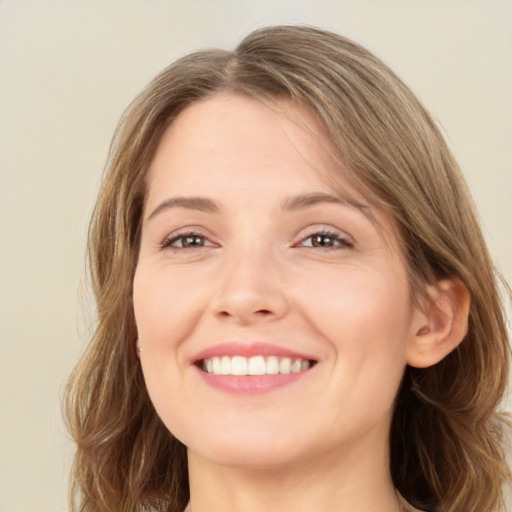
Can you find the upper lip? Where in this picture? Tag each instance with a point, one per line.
(254, 348)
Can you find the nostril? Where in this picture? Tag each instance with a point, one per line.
(263, 312)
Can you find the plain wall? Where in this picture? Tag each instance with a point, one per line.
(68, 69)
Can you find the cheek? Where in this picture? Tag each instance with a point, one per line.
(161, 313)
(166, 307)
(358, 302)
(366, 318)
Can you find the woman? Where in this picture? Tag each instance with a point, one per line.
(296, 307)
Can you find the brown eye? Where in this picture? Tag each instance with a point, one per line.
(322, 241)
(186, 241)
(327, 240)
(190, 241)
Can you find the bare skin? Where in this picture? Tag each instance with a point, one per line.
(244, 241)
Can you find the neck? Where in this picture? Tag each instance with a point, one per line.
(355, 481)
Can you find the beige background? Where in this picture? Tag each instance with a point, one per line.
(67, 70)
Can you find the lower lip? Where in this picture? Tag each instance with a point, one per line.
(250, 384)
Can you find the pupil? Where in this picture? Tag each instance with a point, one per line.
(322, 241)
(192, 241)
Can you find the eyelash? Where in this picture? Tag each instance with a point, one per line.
(168, 242)
(344, 242)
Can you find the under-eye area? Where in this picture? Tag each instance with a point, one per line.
(256, 365)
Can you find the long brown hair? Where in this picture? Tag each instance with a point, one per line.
(447, 438)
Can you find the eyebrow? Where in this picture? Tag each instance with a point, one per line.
(308, 200)
(295, 203)
(202, 204)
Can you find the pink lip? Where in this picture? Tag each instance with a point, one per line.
(254, 348)
(248, 384)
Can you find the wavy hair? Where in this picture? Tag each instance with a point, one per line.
(447, 440)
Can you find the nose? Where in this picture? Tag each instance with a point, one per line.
(250, 290)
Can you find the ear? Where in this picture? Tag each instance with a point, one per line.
(137, 348)
(441, 325)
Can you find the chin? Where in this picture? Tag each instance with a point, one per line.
(263, 449)
(248, 458)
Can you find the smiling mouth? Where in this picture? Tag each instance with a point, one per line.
(256, 365)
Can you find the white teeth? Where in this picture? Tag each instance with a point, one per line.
(256, 365)
(272, 365)
(285, 366)
(296, 366)
(238, 365)
(225, 365)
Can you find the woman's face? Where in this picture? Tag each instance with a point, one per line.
(250, 262)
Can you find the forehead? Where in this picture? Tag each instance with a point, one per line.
(232, 129)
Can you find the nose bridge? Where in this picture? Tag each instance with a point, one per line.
(249, 287)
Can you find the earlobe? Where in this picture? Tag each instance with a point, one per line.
(441, 325)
